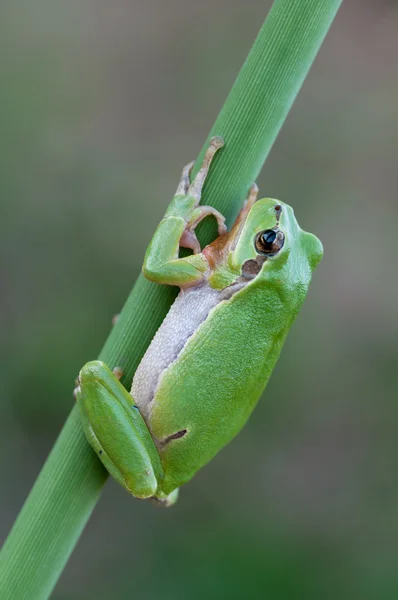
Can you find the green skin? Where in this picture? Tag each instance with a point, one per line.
(183, 410)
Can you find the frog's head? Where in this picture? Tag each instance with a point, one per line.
(270, 237)
(264, 240)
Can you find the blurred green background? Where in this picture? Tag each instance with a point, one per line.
(101, 103)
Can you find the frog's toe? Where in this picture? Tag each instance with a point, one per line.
(167, 500)
(190, 241)
(184, 182)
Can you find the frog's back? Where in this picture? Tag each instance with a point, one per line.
(204, 398)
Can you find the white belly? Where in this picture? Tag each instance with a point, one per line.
(189, 310)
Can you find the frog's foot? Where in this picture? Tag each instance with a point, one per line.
(188, 238)
(244, 211)
(184, 183)
(166, 500)
(76, 390)
(115, 318)
(195, 189)
(118, 372)
(251, 197)
(190, 241)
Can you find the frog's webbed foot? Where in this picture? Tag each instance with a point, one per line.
(194, 190)
(190, 241)
(252, 196)
(166, 500)
(188, 238)
(184, 182)
(76, 390)
(118, 372)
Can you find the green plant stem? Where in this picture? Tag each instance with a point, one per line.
(72, 478)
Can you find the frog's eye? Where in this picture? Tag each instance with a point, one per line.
(270, 241)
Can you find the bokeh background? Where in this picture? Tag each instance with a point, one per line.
(101, 103)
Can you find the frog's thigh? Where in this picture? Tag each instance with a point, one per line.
(98, 448)
(117, 432)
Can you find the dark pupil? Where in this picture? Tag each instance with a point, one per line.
(268, 238)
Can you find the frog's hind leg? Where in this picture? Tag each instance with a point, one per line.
(117, 432)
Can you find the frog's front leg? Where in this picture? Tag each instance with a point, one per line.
(177, 229)
(117, 432)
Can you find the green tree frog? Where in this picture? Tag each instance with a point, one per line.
(211, 358)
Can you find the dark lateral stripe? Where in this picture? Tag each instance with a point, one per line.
(175, 436)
